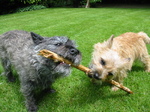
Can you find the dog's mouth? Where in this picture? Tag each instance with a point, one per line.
(96, 76)
(63, 64)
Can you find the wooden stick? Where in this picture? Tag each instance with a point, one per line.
(55, 57)
(120, 86)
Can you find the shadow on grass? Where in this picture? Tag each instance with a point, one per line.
(137, 68)
(80, 96)
(91, 93)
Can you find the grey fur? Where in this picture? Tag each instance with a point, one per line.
(20, 49)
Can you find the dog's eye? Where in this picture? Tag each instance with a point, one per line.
(102, 62)
(58, 44)
(110, 74)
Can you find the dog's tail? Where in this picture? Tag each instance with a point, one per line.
(145, 37)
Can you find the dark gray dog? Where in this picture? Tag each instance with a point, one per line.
(20, 49)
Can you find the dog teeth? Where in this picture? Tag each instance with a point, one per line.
(65, 63)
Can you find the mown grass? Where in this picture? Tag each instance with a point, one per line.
(76, 93)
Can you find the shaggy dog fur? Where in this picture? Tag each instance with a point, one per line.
(114, 57)
(20, 50)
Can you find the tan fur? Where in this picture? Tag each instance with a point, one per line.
(116, 56)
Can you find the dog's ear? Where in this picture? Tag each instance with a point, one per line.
(37, 39)
(109, 42)
(102, 46)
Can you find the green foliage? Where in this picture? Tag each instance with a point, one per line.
(30, 8)
(31, 1)
(76, 93)
(95, 1)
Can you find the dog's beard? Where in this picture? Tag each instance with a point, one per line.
(65, 69)
(62, 69)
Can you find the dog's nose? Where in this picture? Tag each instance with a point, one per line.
(73, 51)
(96, 76)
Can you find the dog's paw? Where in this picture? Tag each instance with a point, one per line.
(11, 79)
(147, 70)
(49, 90)
(32, 108)
(114, 88)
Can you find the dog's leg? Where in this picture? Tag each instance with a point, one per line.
(49, 90)
(7, 68)
(114, 88)
(119, 79)
(145, 58)
(28, 92)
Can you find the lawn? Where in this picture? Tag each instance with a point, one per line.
(76, 93)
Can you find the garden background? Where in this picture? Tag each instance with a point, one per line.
(86, 26)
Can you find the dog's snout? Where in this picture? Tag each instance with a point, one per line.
(96, 76)
(73, 51)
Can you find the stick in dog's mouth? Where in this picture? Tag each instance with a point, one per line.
(57, 58)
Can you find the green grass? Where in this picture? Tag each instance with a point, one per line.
(76, 93)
